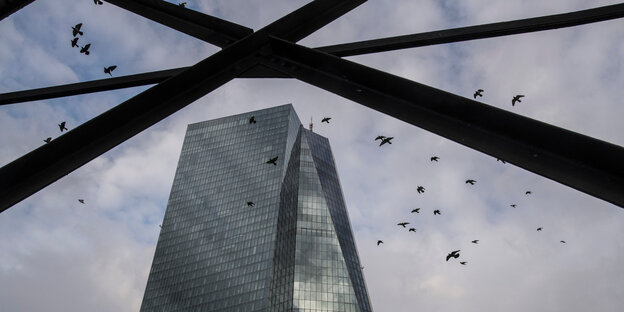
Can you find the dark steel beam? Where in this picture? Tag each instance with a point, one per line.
(581, 162)
(478, 32)
(115, 83)
(8, 7)
(89, 86)
(48, 163)
(202, 26)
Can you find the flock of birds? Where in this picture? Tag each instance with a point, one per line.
(455, 253)
(421, 189)
(76, 31)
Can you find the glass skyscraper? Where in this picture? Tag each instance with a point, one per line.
(242, 233)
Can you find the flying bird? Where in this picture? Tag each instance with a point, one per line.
(326, 119)
(74, 42)
(62, 126)
(436, 212)
(563, 241)
(516, 99)
(85, 49)
(379, 242)
(47, 140)
(539, 229)
(403, 224)
(527, 192)
(386, 140)
(478, 93)
(412, 230)
(98, 2)
(109, 69)
(380, 137)
(476, 241)
(435, 158)
(463, 262)
(250, 204)
(420, 189)
(76, 30)
(272, 161)
(417, 210)
(513, 205)
(470, 181)
(252, 119)
(81, 201)
(453, 254)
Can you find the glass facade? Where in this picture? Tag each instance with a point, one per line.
(241, 234)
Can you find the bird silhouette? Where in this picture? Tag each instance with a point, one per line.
(420, 189)
(98, 2)
(272, 161)
(183, 4)
(386, 140)
(436, 212)
(478, 93)
(81, 201)
(527, 192)
(417, 210)
(47, 140)
(74, 42)
(403, 224)
(412, 230)
(498, 159)
(463, 262)
(62, 126)
(562, 241)
(380, 137)
(476, 241)
(539, 229)
(76, 30)
(326, 119)
(435, 158)
(379, 242)
(250, 204)
(160, 226)
(470, 181)
(453, 254)
(516, 99)
(85, 49)
(252, 119)
(109, 69)
(513, 205)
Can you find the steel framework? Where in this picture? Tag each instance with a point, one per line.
(581, 162)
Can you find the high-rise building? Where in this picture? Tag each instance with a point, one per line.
(256, 221)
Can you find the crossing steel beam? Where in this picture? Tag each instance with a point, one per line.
(201, 26)
(8, 7)
(478, 32)
(37, 169)
(347, 49)
(581, 162)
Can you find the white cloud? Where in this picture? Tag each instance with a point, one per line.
(100, 253)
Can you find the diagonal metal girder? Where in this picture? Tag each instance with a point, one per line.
(8, 7)
(581, 162)
(515, 27)
(37, 169)
(347, 49)
(201, 26)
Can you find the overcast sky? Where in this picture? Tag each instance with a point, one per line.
(59, 255)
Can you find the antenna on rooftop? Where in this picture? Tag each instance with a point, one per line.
(311, 123)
